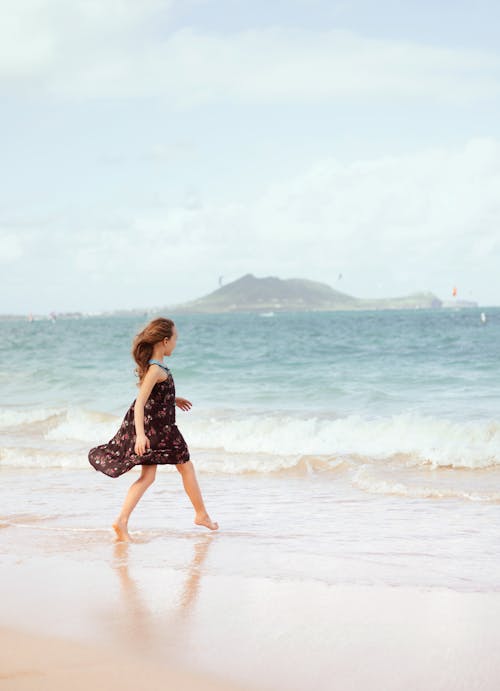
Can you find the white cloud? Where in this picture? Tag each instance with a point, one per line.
(10, 246)
(391, 225)
(26, 48)
(394, 224)
(283, 66)
(40, 39)
(89, 49)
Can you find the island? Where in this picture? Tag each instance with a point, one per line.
(268, 295)
(272, 294)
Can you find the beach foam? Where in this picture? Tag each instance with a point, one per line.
(259, 442)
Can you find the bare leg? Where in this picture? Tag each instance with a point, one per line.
(135, 492)
(193, 491)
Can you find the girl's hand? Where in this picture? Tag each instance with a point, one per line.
(183, 403)
(141, 444)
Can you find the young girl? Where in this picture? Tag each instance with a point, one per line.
(148, 435)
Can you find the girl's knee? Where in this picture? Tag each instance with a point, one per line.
(148, 474)
(182, 467)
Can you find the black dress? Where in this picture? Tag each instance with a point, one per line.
(167, 443)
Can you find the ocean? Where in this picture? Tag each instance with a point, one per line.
(361, 447)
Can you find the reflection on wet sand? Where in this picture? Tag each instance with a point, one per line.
(150, 631)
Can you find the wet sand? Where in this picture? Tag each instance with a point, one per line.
(197, 628)
(357, 592)
(31, 661)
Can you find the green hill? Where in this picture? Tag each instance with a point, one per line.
(251, 294)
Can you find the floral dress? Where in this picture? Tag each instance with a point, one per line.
(167, 443)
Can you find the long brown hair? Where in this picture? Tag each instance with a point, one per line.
(142, 347)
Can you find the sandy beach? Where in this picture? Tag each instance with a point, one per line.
(253, 634)
(47, 663)
(250, 606)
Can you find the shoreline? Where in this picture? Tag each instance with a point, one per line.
(357, 592)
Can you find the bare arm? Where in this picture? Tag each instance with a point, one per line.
(151, 377)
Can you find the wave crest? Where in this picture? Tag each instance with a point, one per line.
(267, 442)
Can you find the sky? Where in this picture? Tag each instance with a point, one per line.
(149, 148)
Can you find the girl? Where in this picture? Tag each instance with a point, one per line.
(148, 435)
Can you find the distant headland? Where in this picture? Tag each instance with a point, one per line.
(272, 294)
(251, 294)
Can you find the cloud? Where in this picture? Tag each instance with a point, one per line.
(10, 246)
(40, 39)
(88, 49)
(391, 225)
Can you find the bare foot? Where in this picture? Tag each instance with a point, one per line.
(204, 519)
(120, 528)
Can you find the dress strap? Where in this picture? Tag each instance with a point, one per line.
(157, 362)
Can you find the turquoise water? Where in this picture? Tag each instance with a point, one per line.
(270, 392)
(368, 363)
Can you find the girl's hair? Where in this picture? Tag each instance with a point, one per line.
(142, 347)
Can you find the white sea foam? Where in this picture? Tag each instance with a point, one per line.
(366, 479)
(41, 458)
(14, 417)
(268, 442)
(421, 440)
(82, 425)
(237, 463)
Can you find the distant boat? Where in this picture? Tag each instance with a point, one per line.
(483, 318)
(266, 314)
